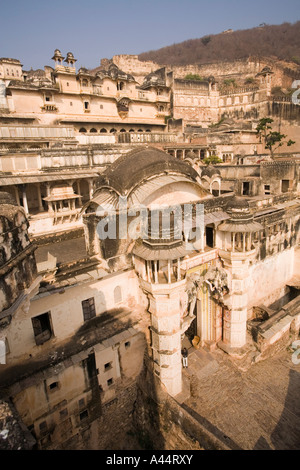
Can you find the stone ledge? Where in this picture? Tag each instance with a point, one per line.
(238, 353)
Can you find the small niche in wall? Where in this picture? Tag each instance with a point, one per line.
(54, 386)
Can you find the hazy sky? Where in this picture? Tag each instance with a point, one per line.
(30, 30)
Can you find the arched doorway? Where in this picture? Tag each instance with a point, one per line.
(207, 309)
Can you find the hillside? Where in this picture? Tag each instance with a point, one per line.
(278, 41)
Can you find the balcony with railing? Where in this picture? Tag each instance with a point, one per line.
(49, 106)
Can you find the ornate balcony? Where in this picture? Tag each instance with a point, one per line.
(49, 107)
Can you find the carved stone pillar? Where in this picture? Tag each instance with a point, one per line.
(166, 335)
(235, 315)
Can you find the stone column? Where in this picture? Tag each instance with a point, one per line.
(233, 242)
(90, 183)
(79, 193)
(47, 189)
(17, 194)
(24, 196)
(235, 316)
(249, 241)
(166, 337)
(38, 188)
(49, 204)
(155, 272)
(202, 241)
(90, 156)
(178, 270)
(148, 271)
(169, 271)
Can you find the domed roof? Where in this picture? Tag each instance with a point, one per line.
(57, 55)
(210, 171)
(117, 74)
(238, 204)
(70, 57)
(239, 211)
(241, 218)
(157, 78)
(139, 165)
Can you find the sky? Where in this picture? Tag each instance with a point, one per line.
(30, 30)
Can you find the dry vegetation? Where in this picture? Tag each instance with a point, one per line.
(278, 41)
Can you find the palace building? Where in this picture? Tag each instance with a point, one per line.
(120, 246)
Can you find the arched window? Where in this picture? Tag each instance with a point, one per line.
(140, 130)
(113, 130)
(123, 130)
(117, 294)
(82, 129)
(103, 130)
(93, 130)
(148, 130)
(120, 85)
(131, 130)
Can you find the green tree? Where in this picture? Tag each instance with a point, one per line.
(272, 139)
(296, 59)
(193, 76)
(250, 81)
(229, 82)
(206, 40)
(213, 159)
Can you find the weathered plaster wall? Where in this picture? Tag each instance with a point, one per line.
(85, 401)
(66, 312)
(267, 276)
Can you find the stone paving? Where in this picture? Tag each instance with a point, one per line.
(253, 407)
